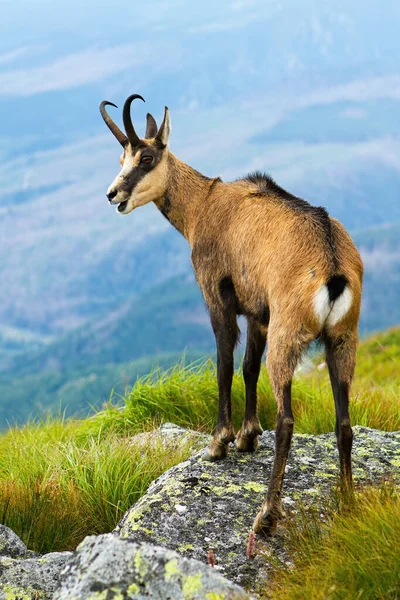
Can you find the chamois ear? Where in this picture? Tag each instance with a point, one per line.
(151, 127)
(165, 129)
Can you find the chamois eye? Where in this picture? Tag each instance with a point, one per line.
(147, 160)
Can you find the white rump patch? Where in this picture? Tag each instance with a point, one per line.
(328, 312)
(322, 306)
(340, 307)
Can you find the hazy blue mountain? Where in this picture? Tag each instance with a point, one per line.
(79, 391)
(170, 317)
(380, 248)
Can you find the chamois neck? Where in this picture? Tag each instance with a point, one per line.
(186, 188)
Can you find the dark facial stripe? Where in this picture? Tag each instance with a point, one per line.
(137, 173)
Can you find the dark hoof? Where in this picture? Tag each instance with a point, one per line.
(266, 523)
(247, 437)
(216, 452)
(246, 443)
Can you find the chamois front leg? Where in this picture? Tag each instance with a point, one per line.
(226, 334)
(247, 437)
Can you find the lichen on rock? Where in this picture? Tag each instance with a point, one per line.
(107, 567)
(222, 498)
(31, 579)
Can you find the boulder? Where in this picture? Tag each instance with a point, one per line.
(31, 579)
(10, 544)
(107, 567)
(199, 506)
(171, 436)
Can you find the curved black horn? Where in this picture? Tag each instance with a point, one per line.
(115, 130)
(151, 128)
(126, 116)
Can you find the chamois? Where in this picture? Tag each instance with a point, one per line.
(258, 251)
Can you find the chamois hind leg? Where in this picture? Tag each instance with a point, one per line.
(226, 334)
(341, 359)
(284, 350)
(247, 436)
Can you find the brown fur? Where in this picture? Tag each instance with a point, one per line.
(258, 251)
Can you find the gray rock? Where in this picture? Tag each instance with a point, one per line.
(10, 544)
(31, 579)
(171, 435)
(107, 567)
(197, 505)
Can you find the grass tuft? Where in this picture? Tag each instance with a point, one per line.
(188, 396)
(353, 554)
(56, 490)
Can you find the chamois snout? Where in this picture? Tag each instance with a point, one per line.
(111, 195)
(117, 195)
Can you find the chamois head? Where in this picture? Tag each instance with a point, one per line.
(143, 176)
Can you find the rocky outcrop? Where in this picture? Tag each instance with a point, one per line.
(194, 511)
(107, 567)
(200, 506)
(32, 578)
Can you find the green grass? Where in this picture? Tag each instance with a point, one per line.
(188, 396)
(58, 485)
(63, 479)
(354, 554)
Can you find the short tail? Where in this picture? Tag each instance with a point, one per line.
(336, 286)
(333, 300)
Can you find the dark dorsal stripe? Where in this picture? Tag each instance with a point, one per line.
(319, 214)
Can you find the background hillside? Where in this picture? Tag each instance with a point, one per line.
(306, 93)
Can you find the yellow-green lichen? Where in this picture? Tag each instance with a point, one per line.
(192, 586)
(184, 547)
(133, 517)
(149, 531)
(253, 486)
(171, 569)
(324, 475)
(162, 540)
(17, 593)
(133, 589)
(6, 561)
(141, 565)
(230, 488)
(206, 476)
(132, 527)
(363, 452)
